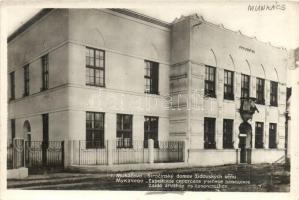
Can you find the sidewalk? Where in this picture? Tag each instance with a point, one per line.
(48, 180)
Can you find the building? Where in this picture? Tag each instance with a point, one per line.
(291, 111)
(106, 74)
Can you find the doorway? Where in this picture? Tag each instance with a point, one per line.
(245, 142)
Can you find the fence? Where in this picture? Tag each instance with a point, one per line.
(35, 154)
(50, 154)
(114, 152)
(44, 154)
(169, 151)
(15, 154)
(90, 153)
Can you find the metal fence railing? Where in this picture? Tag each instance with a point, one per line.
(135, 151)
(35, 154)
(169, 151)
(90, 153)
(50, 154)
(44, 154)
(15, 154)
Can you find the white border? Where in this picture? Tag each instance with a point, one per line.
(32, 195)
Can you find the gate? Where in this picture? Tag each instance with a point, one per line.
(41, 154)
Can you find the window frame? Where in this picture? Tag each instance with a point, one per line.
(259, 135)
(228, 95)
(154, 133)
(121, 141)
(45, 72)
(228, 142)
(152, 75)
(209, 135)
(26, 80)
(95, 69)
(95, 132)
(245, 85)
(12, 86)
(210, 71)
(274, 93)
(272, 136)
(260, 91)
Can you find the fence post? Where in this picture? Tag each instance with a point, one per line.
(186, 155)
(151, 151)
(24, 153)
(237, 156)
(71, 151)
(62, 153)
(79, 154)
(13, 153)
(67, 153)
(110, 152)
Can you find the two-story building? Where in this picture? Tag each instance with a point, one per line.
(107, 74)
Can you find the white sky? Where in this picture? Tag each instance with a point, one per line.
(281, 28)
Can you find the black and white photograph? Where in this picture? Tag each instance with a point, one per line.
(159, 99)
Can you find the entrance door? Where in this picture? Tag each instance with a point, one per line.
(45, 142)
(242, 146)
(245, 142)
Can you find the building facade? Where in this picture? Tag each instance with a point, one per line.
(112, 74)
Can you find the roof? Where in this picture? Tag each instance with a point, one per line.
(26, 25)
(127, 12)
(130, 13)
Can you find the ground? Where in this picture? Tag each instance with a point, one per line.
(247, 178)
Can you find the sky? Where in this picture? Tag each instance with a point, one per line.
(280, 27)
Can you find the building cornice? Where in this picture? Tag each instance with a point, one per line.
(140, 16)
(29, 23)
(127, 12)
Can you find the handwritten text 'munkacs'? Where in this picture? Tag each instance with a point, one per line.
(266, 7)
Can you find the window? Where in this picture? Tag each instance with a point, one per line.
(95, 130)
(259, 135)
(273, 93)
(13, 128)
(260, 86)
(209, 133)
(151, 130)
(26, 80)
(45, 72)
(210, 77)
(124, 131)
(151, 77)
(12, 85)
(228, 133)
(228, 85)
(245, 86)
(272, 136)
(95, 67)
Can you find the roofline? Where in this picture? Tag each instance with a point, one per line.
(127, 12)
(29, 23)
(143, 17)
